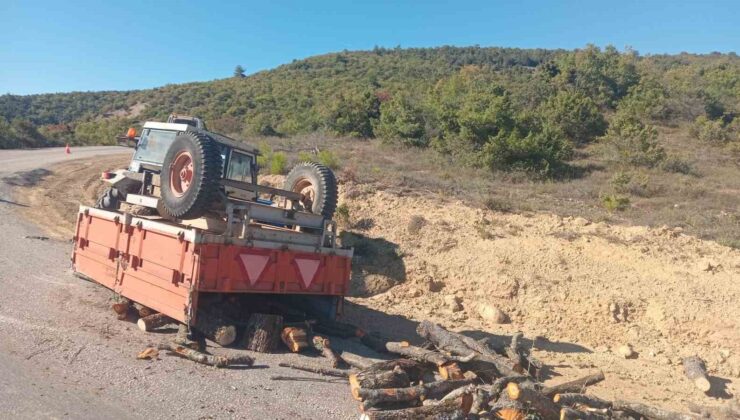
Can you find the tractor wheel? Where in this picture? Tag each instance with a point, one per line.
(190, 176)
(317, 184)
(109, 200)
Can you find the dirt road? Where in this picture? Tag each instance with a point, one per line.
(62, 353)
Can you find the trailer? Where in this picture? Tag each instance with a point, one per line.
(171, 267)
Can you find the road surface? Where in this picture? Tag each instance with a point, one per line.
(63, 354)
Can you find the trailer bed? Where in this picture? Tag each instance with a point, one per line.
(167, 266)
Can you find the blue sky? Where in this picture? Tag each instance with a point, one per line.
(60, 46)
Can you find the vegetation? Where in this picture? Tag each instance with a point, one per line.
(499, 109)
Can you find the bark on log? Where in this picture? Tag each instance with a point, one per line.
(572, 399)
(373, 341)
(145, 311)
(295, 338)
(263, 332)
(197, 343)
(338, 373)
(696, 371)
(194, 355)
(508, 409)
(412, 368)
(372, 397)
(533, 399)
(215, 329)
(337, 329)
(577, 385)
(417, 353)
(649, 412)
(121, 308)
(394, 378)
(728, 411)
(571, 414)
(486, 363)
(454, 409)
(450, 370)
(323, 345)
(357, 361)
(152, 322)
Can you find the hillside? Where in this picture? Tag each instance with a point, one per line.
(646, 140)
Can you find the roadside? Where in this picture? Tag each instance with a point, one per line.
(64, 355)
(588, 287)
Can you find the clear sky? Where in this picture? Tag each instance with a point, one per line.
(71, 45)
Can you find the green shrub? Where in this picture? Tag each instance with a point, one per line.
(278, 163)
(676, 165)
(401, 120)
(575, 115)
(620, 181)
(305, 157)
(716, 131)
(613, 202)
(328, 159)
(633, 142)
(341, 214)
(544, 152)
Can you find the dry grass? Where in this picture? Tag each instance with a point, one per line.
(705, 201)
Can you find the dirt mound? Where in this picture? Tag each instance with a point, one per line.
(588, 287)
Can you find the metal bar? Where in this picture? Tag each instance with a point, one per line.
(261, 189)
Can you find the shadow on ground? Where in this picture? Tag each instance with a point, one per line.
(377, 264)
(28, 178)
(399, 328)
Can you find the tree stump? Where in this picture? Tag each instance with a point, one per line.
(263, 332)
(216, 330)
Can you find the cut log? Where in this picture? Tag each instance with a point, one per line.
(337, 329)
(571, 414)
(417, 353)
(373, 341)
(413, 369)
(263, 332)
(295, 338)
(372, 397)
(696, 371)
(450, 370)
(155, 321)
(198, 341)
(578, 385)
(194, 355)
(649, 412)
(508, 409)
(454, 409)
(121, 308)
(523, 361)
(444, 340)
(323, 345)
(486, 363)
(394, 378)
(571, 399)
(533, 399)
(316, 369)
(145, 311)
(215, 329)
(728, 411)
(357, 361)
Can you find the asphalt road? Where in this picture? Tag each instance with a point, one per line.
(63, 354)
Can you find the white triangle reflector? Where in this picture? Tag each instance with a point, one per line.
(307, 269)
(254, 265)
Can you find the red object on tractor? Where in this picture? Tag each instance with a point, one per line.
(167, 267)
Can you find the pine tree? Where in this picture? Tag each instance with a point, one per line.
(239, 71)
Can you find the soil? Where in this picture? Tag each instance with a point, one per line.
(578, 289)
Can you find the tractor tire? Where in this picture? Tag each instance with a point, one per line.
(318, 185)
(109, 200)
(190, 176)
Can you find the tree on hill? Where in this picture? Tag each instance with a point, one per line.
(239, 71)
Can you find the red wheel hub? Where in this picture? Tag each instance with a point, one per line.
(181, 173)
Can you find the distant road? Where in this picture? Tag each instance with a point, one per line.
(15, 160)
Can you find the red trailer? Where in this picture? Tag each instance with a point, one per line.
(169, 266)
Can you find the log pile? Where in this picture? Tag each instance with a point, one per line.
(449, 376)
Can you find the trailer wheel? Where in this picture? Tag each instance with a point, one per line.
(190, 175)
(109, 200)
(317, 184)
